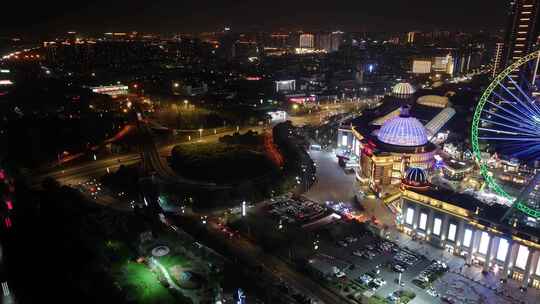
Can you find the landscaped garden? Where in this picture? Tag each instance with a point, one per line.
(226, 162)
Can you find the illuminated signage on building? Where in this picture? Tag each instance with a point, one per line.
(113, 90)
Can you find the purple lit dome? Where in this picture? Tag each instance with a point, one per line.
(403, 130)
(415, 176)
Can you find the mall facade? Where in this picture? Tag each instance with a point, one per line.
(471, 229)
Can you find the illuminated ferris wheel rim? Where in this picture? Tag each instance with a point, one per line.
(493, 185)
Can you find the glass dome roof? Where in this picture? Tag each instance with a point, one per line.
(403, 90)
(415, 176)
(403, 130)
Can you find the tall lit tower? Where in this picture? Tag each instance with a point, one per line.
(411, 37)
(307, 41)
(497, 59)
(521, 31)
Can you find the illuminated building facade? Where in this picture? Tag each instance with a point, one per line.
(323, 41)
(285, 85)
(411, 37)
(307, 41)
(421, 66)
(457, 170)
(466, 227)
(336, 38)
(497, 59)
(385, 154)
(521, 32)
(111, 90)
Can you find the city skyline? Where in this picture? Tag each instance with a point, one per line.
(300, 152)
(194, 16)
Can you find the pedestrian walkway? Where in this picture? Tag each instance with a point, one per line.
(489, 287)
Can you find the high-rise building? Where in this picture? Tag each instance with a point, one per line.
(307, 41)
(522, 31)
(336, 38)
(278, 40)
(323, 41)
(410, 37)
(443, 64)
(496, 62)
(421, 66)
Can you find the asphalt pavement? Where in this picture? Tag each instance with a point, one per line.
(332, 184)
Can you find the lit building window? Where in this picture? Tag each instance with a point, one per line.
(467, 238)
(437, 226)
(522, 256)
(452, 232)
(344, 140)
(410, 216)
(502, 251)
(356, 147)
(423, 221)
(484, 243)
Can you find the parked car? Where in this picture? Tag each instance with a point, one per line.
(342, 244)
(358, 253)
(398, 268)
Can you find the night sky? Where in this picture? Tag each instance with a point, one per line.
(50, 17)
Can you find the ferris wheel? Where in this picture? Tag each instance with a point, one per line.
(506, 122)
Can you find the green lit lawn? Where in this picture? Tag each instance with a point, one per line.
(169, 261)
(138, 280)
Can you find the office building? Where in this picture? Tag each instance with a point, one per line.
(323, 42)
(336, 38)
(307, 41)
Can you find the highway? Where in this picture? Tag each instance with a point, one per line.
(93, 169)
(80, 172)
(74, 174)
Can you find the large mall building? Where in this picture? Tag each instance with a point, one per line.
(394, 151)
(467, 227)
(384, 142)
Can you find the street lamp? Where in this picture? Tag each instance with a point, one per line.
(200, 132)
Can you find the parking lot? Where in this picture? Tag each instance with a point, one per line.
(357, 260)
(297, 210)
(379, 264)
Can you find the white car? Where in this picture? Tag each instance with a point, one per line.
(358, 253)
(379, 282)
(342, 244)
(351, 239)
(432, 292)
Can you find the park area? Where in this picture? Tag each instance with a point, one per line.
(231, 160)
(142, 284)
(167, 272)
